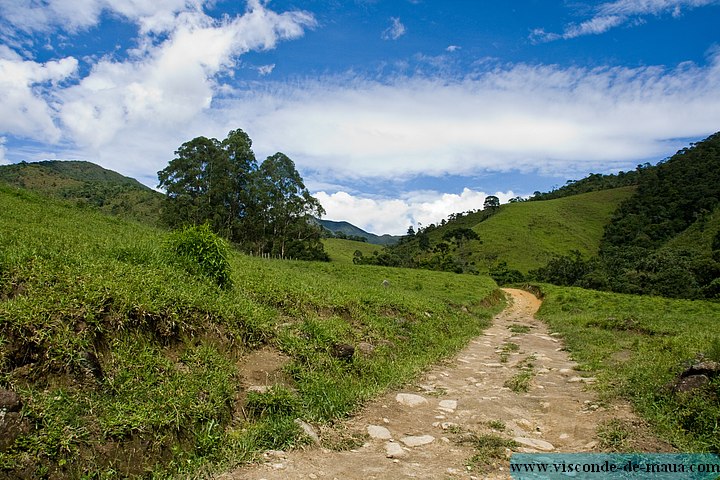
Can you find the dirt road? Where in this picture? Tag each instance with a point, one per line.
(418, 432)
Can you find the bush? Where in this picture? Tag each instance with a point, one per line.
(201, 252)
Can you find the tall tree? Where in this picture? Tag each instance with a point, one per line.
(196, 185)
(265, 209)
(286, 208)
(491, 202)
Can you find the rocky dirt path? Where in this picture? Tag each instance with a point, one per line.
(419, 431)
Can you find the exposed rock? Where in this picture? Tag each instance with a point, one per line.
(12, 425)
(707, 368)
(309, 430)
(10, 401)
(343, 351)
(378, 432)
(410, 399)
(690, 383)
(448, 405)
(364, 349)
(259, 388)
(696, 376)
(535, 443)
(416, 441)
(581, 379)
(394, 450)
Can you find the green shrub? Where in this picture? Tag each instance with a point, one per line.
(201, 252)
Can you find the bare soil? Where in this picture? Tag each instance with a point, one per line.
(464, 398)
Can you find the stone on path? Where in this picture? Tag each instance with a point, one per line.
(394, 450)
(416, 441)
(582, 379)
(410, 399)
(535, 443)
(379, 433)
(309, 430)
(448, 405)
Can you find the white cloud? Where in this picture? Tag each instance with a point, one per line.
(134, 112)
(453, 48)
(613, 14)
(24, 109)
(266, 69)
(73, 15)
(395, 215)
(3, 151)
(518, 117)
(394, 31)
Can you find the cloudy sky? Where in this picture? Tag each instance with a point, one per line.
(395, 112)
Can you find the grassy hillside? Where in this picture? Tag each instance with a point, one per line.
(699, 236)
(342, 250)
(128, 365)
(87, 184)
(527, 234)
(637, 346)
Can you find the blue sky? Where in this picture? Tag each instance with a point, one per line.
(395, 112)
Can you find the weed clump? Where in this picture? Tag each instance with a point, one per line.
(201, 252)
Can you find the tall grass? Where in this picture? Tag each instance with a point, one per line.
(128, 363)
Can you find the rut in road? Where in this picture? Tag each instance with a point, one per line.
(418, 432)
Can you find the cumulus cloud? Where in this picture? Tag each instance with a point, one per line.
(452, 48)
(126, 112)
(25, 106)
(613, 14)
(28, 16)
(395, 215)
(394, 31)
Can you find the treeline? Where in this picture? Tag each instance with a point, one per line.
(645, 249)
(592, 183)
(263, 209)
(447, 246)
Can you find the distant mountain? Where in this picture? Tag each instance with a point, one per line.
(87, 184)
(351, 230)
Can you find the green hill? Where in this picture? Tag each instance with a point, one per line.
(665, 238)
(350, 230)
(527, 234)
(524, 235)
(342, 251)
(87, 184)
(128, 365)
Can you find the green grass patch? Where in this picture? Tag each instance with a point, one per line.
(518, 328)
(637, 346)
(128, 363)
(342, 251)
(490, 448)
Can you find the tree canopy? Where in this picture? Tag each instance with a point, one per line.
(265, 209)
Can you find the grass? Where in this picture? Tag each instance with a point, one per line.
(527, 234)
(342, 251)
(489, 448)
(518, 328)
(637, 346)
(520, 382)
(614, 436)
(128, 363)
